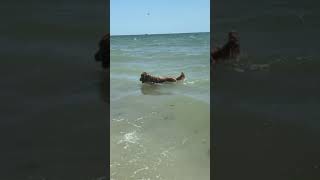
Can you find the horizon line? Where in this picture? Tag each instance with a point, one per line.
(157, 33)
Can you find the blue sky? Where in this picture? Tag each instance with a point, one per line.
(129, 17)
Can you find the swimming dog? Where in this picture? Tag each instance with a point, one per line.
(147, 78)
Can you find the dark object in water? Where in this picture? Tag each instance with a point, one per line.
(231, 50)
(103, 53)
(147, 78)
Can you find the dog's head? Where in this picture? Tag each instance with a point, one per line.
(104, 51)
(144, 77)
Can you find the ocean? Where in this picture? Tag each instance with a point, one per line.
(160, 131)
(265, 122)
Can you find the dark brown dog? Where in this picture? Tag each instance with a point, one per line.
(231, 50)
(147, 78)
(103, 53)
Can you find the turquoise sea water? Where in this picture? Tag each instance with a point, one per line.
(160, 131)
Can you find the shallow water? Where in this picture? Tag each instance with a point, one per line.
(160, 131)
